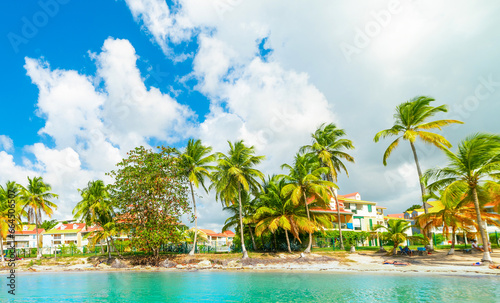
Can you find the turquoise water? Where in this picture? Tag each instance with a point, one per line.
(250, 287)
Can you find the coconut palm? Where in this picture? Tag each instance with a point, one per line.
(304, 182)
(36, 201)
(195, 161)
(329, 147)
(190, 236)
(454, 214)
(277, 211)
(95, 206)
(106, 232)
(475, 164)
(9, 193)
(249, 208)
(235, 174)
(411, 122)
(396, 231)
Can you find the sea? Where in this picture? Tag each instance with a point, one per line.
(208, 286)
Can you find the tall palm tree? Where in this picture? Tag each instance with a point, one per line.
(411, 122)
(249, 208)
(233, 174)
(329, 147)
(304, 182)
(396, 231)
(9, 193)
(36, 201)
(106, 232)
(96, 208)
(195, 160)
(476, 162)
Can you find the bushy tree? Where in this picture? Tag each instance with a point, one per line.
(150, 193)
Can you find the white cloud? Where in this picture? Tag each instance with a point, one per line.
(6, 143)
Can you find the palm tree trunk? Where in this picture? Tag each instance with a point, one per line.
(288, 241)
(452, 249)
(243, 249)
(114, 247)
(395, 249)
(339, 221)
(422, 188)
(109, 248)
(382, 249)
(484, 238)
(191, 253)
(308, 249)
(253, 239)
(38, 256)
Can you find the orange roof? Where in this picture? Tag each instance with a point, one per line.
(212, 233)
(31, 230)
(398, 216)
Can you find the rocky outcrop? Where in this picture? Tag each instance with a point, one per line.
(117, 263)
(204, 264)
(168, 264)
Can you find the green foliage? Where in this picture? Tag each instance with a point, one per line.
(150, 193)
(414, 206)
(47, 225)
(349, 237)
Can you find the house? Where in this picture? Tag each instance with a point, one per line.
(355, 214)
(25, 236)
(220, 239)
(396, 216)
(66, 234)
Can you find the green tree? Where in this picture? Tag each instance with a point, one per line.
(329, 148)
(411, 122)
(96, 207)
(396, 231)
(9, 217)
(48, 224)
(234, 174)
(476, 163)
(106, 232)
(195, 161)
(36, 201)
(278, 211)
(304, 182)
(150, 194)
(413, 207)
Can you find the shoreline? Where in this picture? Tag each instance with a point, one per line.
(438, 264)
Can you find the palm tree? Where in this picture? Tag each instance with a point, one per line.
(476, 162)
(328, 146)
(9, 193)
(276, 211)
(190, 236)
(411, 123)
(233, 175)
(454, 214)
(249, 209)
(96, 208)
(195, 160)
(396, 231)
(36, 201)
(304, 181)
(107, 232)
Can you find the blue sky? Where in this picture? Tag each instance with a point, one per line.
(93, 79)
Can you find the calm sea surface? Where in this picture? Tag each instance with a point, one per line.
(250, 287)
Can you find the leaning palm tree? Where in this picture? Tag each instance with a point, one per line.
(476, 163)
(329, 148)
(411, 122)
(248, 207)
(9, 193)
(305, 182)
(36, 201)
(195, 161)
(235, 174)
(396, 231)
(106, 232)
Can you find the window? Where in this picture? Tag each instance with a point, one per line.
(34, 236)
(369, 208)
(57, 242)
(57, 236)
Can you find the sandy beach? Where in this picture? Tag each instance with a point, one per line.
(437, 263)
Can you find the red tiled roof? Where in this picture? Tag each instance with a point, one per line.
(333, 211)
(212, 233)
(399, 216)
(29, 232)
